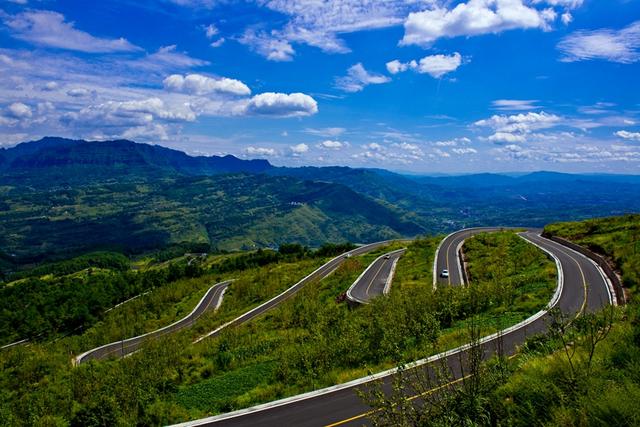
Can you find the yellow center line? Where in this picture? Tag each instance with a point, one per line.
(411, 398)
(584, 286)
(584, 281)
(365, 414)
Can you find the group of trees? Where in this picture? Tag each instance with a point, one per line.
(287, 252)
(312, 341)
(63, 303)
(582, 372)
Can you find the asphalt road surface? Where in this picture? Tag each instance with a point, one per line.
(373, 281)
(318, 274)
(584, 288)
(447, 255)
(211, 300)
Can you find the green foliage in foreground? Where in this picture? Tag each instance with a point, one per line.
(509, 272)
(316, 342)
(61, 305)
(618, 238)
(38, 385)
(308, 342)
(585, 372)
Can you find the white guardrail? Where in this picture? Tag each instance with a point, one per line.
(360, 381)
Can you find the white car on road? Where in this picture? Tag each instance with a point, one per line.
(445, 273)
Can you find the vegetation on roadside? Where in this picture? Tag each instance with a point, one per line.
(310, 341)
(583, 372)
(617, 238)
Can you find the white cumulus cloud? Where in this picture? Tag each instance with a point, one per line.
(197, 84)
(395, 66)
(125, 114)
(434, 65)
(299, 149)
(506, 137)
(282, 105)
(358, 77)
(439, 65)
(632, 136)
(211, 30)
(218, 43)
(463, 151)
(18, 110)
(520, 122)
(518, 127)
(332, 145)
(474, 17)
(78, 92)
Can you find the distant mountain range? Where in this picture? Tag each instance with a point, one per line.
(65, 159)
(60, 196)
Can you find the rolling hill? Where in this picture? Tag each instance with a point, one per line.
(59, 197)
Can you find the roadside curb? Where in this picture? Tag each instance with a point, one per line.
(295, 287)
(78, 359)
(360, 381)
(350, 297)
(387, 286)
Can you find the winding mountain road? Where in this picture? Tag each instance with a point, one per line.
(211, 300)
(582, 286)
(447, 255)
(376, 279)
(318, 274)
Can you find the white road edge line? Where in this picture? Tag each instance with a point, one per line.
(387, 286)
(380, 375)
(613, 299)
(435, 258)
(297, 284)
(14, 343)
(610, 290)
(459, 258)
(124, 302)
(78, 359)
(350, 297)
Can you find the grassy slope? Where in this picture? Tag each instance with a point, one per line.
(542, 387)
(312, 342)
(322, 342)
(227, 212)
(618, 238)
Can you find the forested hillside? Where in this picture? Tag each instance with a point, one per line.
(61, 197)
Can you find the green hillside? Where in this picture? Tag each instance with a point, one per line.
(223, 212)
(583, 373)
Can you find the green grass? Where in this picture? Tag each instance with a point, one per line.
(617, 238)
(308, 342)
(218, 394)
(316, 342)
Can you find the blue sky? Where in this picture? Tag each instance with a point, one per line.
(422, 86)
